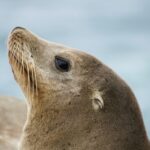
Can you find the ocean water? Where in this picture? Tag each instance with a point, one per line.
(117, 32)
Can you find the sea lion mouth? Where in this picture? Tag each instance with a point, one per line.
(23, 66)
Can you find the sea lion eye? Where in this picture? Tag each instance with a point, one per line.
(62, 64)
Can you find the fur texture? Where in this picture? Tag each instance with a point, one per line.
(87, 108)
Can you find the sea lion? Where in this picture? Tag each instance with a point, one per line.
(75, 102)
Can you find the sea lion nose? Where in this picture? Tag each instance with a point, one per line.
(16, 28)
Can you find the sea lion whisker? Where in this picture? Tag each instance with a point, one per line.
(28, 80)
(36, 90)
(17, 58)
(21, 66)
(14, 55)
(32, 83)
(33, 80)
(22, 62)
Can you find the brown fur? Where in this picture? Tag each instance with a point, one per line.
(60, 112)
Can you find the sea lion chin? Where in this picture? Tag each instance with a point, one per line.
(75, 102)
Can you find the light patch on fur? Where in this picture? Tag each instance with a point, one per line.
(97, 101)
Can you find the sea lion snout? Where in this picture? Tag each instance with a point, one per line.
(16, 28)
(21, 58)
(18, 44)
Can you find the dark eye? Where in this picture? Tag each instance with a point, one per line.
(62, 64)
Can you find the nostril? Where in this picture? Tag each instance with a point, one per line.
(16, 28)
(31, 56)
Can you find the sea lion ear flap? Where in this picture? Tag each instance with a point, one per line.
(97, 101)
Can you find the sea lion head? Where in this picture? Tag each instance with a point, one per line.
(45, 69)
(73, 98)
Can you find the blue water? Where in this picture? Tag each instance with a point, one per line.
(117, 32)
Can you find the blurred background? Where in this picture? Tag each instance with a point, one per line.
(115, 31)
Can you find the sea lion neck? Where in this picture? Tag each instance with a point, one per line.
(120, 130)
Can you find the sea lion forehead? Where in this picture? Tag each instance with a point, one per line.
(80, 56)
